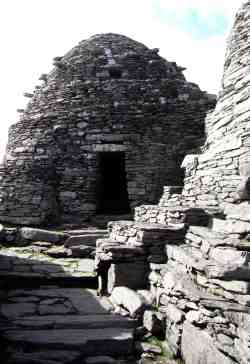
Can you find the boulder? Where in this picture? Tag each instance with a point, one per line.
(129, 299)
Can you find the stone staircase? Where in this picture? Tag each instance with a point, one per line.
(203, 290)
(56, 316)
(197, 270)
(124, 256)
(58, 257)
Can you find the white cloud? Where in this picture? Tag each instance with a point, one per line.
(33, 32)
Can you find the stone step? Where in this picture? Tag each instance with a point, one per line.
(85, 239)
(71, 320)
(82, 251)
(34, 234)
(231, 226)
(87, 231)
(45, 357)
(209, 239)
(91, 321)
(119, 251)
(18, 303)
(27, 263)
(109, 341)
(137, 234)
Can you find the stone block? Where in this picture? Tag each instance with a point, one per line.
(132, 275)
(197, 346)
(33, 234)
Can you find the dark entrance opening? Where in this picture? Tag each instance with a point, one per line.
(112, 189)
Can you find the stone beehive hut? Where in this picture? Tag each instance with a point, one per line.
(221, 172)
(106, 130)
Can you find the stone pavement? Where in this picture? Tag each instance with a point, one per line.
(72, 322)
(48, 313)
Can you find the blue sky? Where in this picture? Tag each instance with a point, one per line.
(190, 32)
(192, 22)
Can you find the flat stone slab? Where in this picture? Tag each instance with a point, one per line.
(77, 300)
(28, 263)
(33, 234)
(90, 321)
(86, 239)
(111, 341)
(45, 357)
(145, 226)
(137, 234)
(85, 231)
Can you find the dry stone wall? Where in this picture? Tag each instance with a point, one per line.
(201, 283)
(215, 175)
(108, 94)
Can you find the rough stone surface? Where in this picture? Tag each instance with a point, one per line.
(108, 94)
(129, 299)
(203, 349)
(32, 234)
(191, 250)
(63, 325)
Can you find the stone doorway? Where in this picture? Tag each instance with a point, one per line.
(112, 194)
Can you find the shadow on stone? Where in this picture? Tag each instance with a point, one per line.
(47, 315)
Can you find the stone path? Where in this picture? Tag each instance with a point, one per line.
(73, 321)
(58, 257)
(51, 320)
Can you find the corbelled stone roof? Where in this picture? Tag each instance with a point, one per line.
(105, 53)
(109, 93)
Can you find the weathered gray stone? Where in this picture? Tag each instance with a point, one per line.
(86, 239)
(100, 360)
(237, 212)
(132, 275)
(17, 309)
(46, 356)
(33, 234)
(231, 226)
(89, 342)
(241, 287)
(74, 321)
(129, 299)
(198, 347)
(174, 314)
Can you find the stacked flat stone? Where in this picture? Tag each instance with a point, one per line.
(172, 209)
(215, 175)
(48, 255)
(221, 172)
(108, 94)
(131, 247)
(203, 289)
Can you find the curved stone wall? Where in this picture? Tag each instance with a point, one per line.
(108, 94)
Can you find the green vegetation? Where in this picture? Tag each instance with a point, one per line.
(166, 354)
